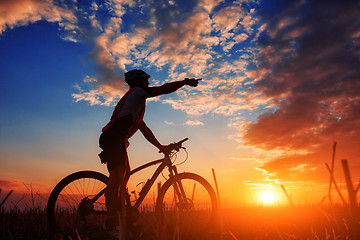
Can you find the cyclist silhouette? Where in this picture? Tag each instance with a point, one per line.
(126, 119)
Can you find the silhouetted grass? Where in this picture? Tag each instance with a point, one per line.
(301, 222)
(27, 223)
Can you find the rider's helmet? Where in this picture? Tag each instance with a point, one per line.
(130, 76)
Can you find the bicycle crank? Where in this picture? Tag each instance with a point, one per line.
(85, 208)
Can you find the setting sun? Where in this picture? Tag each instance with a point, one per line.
(267, 197)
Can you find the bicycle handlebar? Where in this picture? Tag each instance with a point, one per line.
(174, 146)
(180, 142)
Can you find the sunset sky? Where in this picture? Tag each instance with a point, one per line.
(281, 84)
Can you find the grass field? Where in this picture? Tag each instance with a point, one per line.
(282, 222)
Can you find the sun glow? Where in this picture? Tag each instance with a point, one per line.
(267, 197)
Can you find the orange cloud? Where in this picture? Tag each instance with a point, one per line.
(7, 185)
(23, 12)
(311, 78)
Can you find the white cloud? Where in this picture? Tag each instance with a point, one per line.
(194, 123)
(90, 79)
(169, 123)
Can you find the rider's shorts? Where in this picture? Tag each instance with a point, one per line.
(114, 142)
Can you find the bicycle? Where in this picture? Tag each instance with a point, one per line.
(186, 203)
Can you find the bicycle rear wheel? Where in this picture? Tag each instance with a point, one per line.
(67, 210)
(194, 218)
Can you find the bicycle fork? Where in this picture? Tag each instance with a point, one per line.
(179, 191)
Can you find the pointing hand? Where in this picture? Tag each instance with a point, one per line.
(192, 81)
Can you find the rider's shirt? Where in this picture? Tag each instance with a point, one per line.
(133, 104)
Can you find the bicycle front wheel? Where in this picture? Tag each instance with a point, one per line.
(187, 207)
(68, 210)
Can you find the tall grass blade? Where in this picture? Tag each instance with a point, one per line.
(219, 203)
(7, 196)
(332, 171)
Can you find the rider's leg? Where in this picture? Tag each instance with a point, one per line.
(114, 198)
(122, 213)
(115, 191)
(113, 141)
(122, 197)
(116, 164)
(112, 195)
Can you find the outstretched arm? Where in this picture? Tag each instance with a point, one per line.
(173, 86)
(148, 134)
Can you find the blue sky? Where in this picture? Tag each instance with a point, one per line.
(280, 85)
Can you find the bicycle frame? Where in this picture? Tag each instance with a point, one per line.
(146, 188)
(164, 162)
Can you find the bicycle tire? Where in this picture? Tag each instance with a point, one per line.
(63, 217)
(199, 219)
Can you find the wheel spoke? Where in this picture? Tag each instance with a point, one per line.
(65, 203)
(196, 209)
(193, 194)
